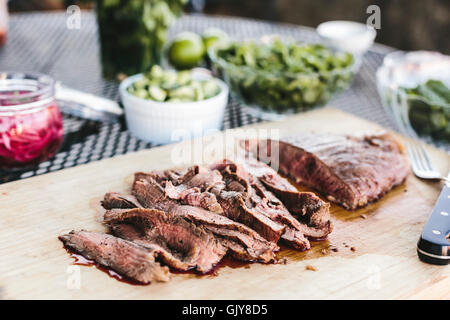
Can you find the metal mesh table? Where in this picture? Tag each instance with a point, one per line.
(41, 42)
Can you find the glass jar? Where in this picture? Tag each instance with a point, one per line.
(415, 90)
(31, 126)
(3, 21)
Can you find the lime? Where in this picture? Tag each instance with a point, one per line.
(186, 51)
(213, 36)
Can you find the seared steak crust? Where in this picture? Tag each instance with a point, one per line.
(350, 170)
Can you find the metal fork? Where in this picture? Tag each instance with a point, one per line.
(421, 164)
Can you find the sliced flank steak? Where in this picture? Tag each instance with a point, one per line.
(122, 256)
(183, 245)
(264, 201)
(236, 202)
(244, 198)
(349, 170)
(231, 200)
(254, 200)
(152, 195)
(308, 208)
(189, 219)
(240, 246)
(113, 200)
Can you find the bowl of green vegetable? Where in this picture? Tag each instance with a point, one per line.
(163, 106)
(275, 78)
(415, 89)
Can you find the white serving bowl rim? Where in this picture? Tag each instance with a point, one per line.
(171, 105)
(366, 31)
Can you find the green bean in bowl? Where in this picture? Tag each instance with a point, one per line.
(171, 86)
(282, 77)
(165, 106)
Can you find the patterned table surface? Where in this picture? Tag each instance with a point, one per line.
(41, 42)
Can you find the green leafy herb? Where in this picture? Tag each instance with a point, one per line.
(429, 109)
(283, 76)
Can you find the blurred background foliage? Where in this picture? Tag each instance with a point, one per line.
(405, 24)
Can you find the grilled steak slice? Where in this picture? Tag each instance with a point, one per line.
(120, 255)
(183, 175)
(235, 208)
(192, 196)
(231, 192)
(243, 247)
(296, 239)
(255, 201)
(190, 188)
(268, 204)
(170, 257)
(137, 236)
(350, 170)
(307, 207)
(186, 246)
(176, 176)
(246, 247)
(257, 248)
(116, 200)
(149, 192)
(151, 195)
(206, 200)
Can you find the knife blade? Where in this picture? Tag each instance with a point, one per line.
(434, 244)
(85, 105)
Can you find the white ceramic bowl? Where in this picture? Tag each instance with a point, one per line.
(349, 36)
(167, 122)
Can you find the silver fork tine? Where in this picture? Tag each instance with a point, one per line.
(420, 154)
(424, 157)
(419, 164)
(411, 155)
(427, 159)
(412, 160)
(420, 157)
(416, 160)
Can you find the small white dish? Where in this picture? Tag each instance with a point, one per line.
(349, 36)
(168, 122)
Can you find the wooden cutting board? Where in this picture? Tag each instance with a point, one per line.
(382, 264)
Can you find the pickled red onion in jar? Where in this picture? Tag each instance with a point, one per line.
(31, 126)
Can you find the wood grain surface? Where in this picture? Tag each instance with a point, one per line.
(370, 254)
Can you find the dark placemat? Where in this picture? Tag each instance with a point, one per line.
(41, 42)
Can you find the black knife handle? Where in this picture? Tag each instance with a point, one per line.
(434, 244)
